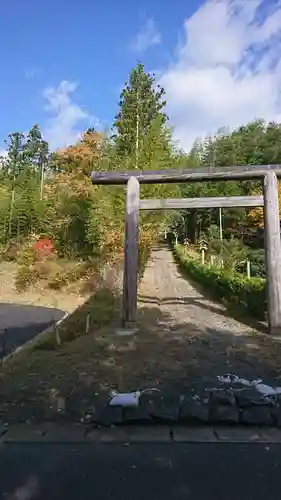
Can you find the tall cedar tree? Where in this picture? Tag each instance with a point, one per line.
(13, 164)
(141, 102)
(35, 149)
(25, 154)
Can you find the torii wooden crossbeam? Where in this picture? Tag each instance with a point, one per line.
(266, 173)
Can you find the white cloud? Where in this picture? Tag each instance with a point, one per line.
(67, 117)
(147, 37)
(228, 70)
(31, 72)
(3, 153)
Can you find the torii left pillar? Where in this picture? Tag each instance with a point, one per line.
(131, 246)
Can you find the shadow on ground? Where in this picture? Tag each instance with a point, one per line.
(178, 358)
(228, 310)
(143, 470)
(203, 303)
(20, 323)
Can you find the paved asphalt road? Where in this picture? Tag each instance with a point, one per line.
(22, 323)
(199, 471)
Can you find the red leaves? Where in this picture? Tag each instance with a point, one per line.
(44, 248)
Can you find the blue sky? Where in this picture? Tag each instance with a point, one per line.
(64, 62)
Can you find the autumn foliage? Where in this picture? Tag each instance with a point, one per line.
(44, 248)
(80, 157)
(256, 214)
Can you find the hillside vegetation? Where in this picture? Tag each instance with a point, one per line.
(58, 227)
(54, 223)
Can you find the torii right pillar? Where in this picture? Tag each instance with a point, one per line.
(272, 243)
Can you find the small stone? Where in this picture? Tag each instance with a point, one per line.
(166, 409)
(94, 435)
(194, 411)
(144, 412)
(3, 429)
(136, 415)
(222, 397)
(224, 413)
(94, 413)
(88, 417)
(111, 415)
(257, 415)
(276, 415)
(250, 397)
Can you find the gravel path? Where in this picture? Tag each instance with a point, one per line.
(184, 341)
(165, 286)
(197, 334)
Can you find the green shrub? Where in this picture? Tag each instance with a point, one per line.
(247, 294)
(69, 274)
(30, 269)
(143, 256)
(43, 269)
(10, 251)
(25, 276)
(27, 255)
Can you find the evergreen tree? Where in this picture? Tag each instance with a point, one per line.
(140, 104)
(13, 164)
(35, 149)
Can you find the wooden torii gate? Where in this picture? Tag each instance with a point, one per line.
(266, 173)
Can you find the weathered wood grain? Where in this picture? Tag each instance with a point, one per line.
(174, 175)
(272, 252)
(130, 280)
(176, 204)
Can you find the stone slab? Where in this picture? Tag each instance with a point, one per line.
(149, 434)
(238, 434)
(45, 433)
(271, 435)
(109, 435)
(115, 435)
(194, 435)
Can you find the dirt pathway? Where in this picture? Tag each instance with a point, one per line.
(183, 343)
(165, 286)
(200, 336)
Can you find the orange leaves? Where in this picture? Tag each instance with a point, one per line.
(255, 217)
(256, 214)
(68, 183)
(82, 156)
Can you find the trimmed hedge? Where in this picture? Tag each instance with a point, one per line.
(248, 294)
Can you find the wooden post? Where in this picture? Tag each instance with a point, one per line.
(57, 334)
(220, 217)
(87, 326)
(131, 243)
(202, 256)
(248, 269)
(272, 244)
